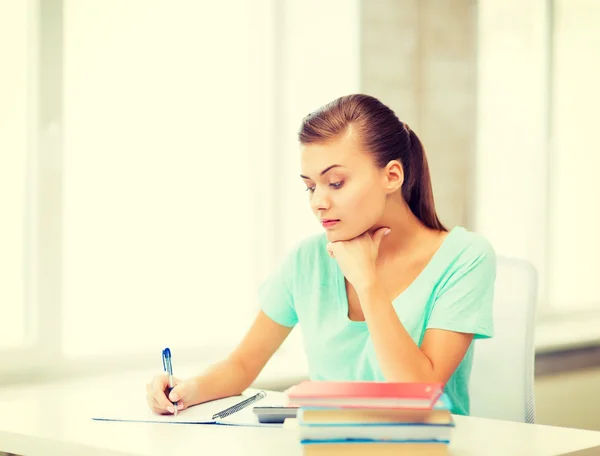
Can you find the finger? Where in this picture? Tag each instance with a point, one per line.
(158, 411)
(366, 234)
(168, 389)
(151, 396)
(154, 405)
(162, 401)
(160, 382)
(152, 402)
(330, 250)
(379, 234)
(179, 391)
(156, 394)
(160, 386)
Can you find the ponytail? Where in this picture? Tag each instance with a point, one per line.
(416, 189)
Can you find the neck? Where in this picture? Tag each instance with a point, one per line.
(406, 229)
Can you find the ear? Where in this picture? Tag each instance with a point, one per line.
(393, 176)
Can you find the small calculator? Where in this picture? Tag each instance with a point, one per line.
(274, 414)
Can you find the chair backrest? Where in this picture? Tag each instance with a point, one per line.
(501, 383)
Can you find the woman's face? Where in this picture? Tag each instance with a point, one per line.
(347, 191)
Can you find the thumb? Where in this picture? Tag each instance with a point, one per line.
(179, 390)
(379, 234)
(330, 250)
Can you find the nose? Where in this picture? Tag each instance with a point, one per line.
(319, 201)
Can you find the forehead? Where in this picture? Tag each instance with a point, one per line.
(345, 150)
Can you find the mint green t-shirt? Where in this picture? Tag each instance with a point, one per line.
(453, 292)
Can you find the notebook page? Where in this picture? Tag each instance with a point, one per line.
(138, 411)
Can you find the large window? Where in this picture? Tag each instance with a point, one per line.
(538, 153)
(165, 159)
(15, 122)
(163, 121)
(574, 216)
(320, 63)
(158, 185)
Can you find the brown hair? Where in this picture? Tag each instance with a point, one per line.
(386, 138)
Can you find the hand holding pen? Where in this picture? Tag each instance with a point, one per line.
(168, 367)
(168, 395)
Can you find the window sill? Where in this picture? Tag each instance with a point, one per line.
(563, 333)
(287, 367)
(576, 340)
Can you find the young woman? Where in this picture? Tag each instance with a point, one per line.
(387, 293)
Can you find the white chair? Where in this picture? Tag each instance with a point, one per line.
(501, 384)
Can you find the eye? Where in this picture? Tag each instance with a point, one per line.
(336, 185)
(310, 189)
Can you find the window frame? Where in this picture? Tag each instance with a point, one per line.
(530, 24)
(41, 357)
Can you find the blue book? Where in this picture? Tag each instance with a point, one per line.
(407, 432)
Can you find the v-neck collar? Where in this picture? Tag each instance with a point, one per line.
(341, 282)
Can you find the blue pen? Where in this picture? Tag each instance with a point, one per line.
(168, 367)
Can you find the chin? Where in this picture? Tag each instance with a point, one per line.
(342, 235)
(333, 237)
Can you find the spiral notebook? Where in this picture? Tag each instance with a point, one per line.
(234, 411)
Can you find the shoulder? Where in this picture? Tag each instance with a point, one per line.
(464, 293)
(468, 254)
(469, 247)
(305, 264)
(308, 250)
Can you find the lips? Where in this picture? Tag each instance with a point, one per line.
(328, 223)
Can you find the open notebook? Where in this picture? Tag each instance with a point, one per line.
(198, 414)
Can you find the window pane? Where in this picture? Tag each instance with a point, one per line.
(159, 199)
(333, 71)
(575, 186)
(13, 155)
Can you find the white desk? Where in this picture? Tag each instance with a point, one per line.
(55, 419)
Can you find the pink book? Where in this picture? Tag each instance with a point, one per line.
(365, 394)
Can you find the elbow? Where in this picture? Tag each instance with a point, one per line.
(424, 373)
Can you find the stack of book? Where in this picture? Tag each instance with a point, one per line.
(371, 418)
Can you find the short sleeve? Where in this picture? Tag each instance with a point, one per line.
(465, 302)
(275, 295)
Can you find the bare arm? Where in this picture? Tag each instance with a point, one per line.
(400, 358)
(237, 372)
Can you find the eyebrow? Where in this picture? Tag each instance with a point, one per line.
(324, 171)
